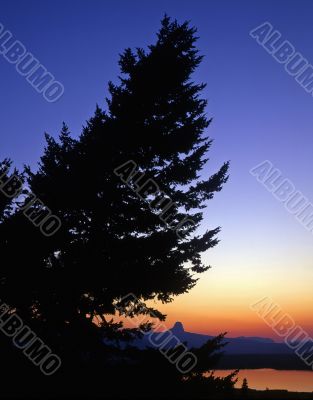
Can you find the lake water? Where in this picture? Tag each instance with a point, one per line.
(296, 381)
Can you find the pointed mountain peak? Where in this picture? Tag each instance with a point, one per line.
(178, 328)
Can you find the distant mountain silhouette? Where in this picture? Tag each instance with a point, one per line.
(239, 345)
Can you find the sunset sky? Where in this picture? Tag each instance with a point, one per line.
(259, 113)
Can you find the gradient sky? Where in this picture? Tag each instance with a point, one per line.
(259, 113)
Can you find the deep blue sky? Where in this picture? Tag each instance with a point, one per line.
(259, 111)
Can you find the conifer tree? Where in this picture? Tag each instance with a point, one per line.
(113, 242)
(244, 387)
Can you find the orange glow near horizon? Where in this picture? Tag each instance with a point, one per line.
(221, 302)
(271, 265)
(214, 307)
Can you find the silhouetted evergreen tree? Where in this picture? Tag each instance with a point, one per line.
(244, 387)
(112, 242)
